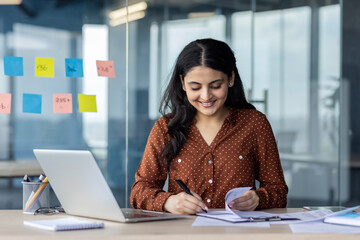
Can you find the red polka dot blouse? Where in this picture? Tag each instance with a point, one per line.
(243, 150)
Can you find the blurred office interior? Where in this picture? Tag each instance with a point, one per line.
(299, 61)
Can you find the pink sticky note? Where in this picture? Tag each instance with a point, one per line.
(5, 103)
(105, 68)
(62, 103)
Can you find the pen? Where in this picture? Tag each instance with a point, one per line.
(36, 194)
(185, 188)
(27, 179)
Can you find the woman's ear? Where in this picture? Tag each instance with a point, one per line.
(232, 79)
(182, 83)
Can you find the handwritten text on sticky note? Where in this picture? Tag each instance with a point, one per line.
(32, 103)
(5, 103)
(13, 66)
(74, 67)
(87, 103)
(62, 102)
(44, 67)
(105, 68)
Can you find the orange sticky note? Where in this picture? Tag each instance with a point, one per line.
(105, 68)
(44, 67)
(62, 103)
(5, 103)
(87, 103)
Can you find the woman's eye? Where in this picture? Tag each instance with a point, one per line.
(216, 87)
(195, 89)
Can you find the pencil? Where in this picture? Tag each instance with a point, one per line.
(37, 193)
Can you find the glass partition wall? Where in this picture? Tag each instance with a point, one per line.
(289, 54)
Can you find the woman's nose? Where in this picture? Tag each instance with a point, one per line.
(205, 93)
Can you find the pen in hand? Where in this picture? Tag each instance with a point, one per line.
(186, 189)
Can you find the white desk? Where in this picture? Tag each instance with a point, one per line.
(12, 227)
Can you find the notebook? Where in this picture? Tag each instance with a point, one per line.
(64, 224)
(83, 191)
(352, 219)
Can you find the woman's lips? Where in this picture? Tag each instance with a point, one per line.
(208, 104)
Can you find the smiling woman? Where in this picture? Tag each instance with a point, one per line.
(212, 139)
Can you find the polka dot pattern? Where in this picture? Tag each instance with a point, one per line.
(244, 150)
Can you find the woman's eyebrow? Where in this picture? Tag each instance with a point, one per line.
(214, 81)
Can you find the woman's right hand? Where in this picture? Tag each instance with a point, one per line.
(183, 203)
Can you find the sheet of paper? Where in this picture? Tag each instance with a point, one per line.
(13, 66)
(304, 216)
(206, 222)
(32, 103)
(321, 227)
(222, 215)
(87, 103)
(74, 67)
(320, 215)
(44, 67)
(233, 194)
(5, 103)
(62, 102)
(105, 68)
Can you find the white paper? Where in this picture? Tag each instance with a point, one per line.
(234, 194)
(222, 215)
(321, 227)
(304, 216)
(206, 222)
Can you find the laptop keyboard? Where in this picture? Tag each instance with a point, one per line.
(135, 213)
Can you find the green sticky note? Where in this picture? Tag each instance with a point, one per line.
(44, 67)
(87, 103)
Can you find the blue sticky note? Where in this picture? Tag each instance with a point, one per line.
(31, 103)
(74, 67)
(13, 66)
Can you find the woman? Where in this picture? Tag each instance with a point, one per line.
(212, 139)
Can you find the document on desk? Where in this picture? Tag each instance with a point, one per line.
(319, 226)
(210, 222)
(235, 216)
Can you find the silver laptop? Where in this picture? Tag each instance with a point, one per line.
(82, 189)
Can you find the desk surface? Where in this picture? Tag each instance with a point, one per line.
(12, 227)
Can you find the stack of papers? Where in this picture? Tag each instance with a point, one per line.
(301, 222)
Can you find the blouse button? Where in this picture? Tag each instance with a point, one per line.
(210, 162)
(179, 160)
(240, 157)
(208, 200)
(210, 181)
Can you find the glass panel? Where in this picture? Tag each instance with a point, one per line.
(54, 29)
(296, 74)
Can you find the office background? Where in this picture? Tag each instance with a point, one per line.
(299, 61)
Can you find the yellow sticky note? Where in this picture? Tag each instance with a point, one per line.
(44, 67)
(87, 103)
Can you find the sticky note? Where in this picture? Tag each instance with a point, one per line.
(87, 103)
(32, 103)
(105, 68)
(62, 102)
(74, 67)
(13, 66)
(5, 103)
(44, 67)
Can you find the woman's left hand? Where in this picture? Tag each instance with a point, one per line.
(247, 202)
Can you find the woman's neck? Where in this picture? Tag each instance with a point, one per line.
(219, 117)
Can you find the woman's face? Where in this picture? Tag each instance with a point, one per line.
(207, 89)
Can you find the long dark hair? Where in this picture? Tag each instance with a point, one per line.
(202, 52)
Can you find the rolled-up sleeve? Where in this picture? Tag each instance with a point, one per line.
(146, 192)
(273, 189)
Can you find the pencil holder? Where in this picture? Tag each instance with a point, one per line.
(35, 195)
